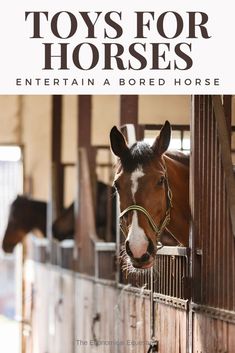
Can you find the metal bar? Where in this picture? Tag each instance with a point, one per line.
(173, 277)
(224, 226)
(217, 224)
(103, 246)
(167, 275)
(171, 301)
(214, 254)
(173, 251)
(177, 276)
(195, 172)
(220, 226)
(209, 221)
(152, 306)
(205, 183)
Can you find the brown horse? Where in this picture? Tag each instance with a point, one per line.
(25, 215)
(153, 188)
(63, 226)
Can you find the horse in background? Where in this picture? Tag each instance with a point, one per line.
(27, 215)
(153, 188)
(63, 227)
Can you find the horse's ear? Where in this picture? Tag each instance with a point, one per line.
(118, 143)
(162, 142)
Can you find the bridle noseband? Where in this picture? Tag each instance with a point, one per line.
(158, 229)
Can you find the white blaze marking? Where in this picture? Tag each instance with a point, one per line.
(138, 242)
(138, 173)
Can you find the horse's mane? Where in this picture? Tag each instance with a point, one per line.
(141, 153)
(179, 157)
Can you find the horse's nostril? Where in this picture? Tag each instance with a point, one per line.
(128, 250)
(145, 257)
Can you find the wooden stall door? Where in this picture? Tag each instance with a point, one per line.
(213, 243)
(40, 341)
(61, 311)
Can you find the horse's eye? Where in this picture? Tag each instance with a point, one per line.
(161, 181)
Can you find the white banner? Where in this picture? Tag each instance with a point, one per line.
(102, 47)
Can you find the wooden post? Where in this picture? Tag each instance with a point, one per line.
(85, 129)
(55, 206)
(84, 121)
(84, 143)
(228, 112)
(57, 169)
(56, 128)
(129, 112)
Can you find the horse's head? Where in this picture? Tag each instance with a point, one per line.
(145, 200)
(17, 226)
(64, 226)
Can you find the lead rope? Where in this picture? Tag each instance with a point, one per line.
(153, 347)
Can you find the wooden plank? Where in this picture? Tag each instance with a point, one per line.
(40, 328)
(195, 172)
(109, 317)
(67, 329)
(28, 307)
(226, 156)
(79, 314)
(83, 315)
(86, 232)
(147, 319)
(171, 329)
(54, 309)
(127, 322)
(231, 338)
(132, 312)
(123, 319)
(227, 104)
(212, 335)
(140, 323)
(184, 331)
(198, 330)
(221, 328)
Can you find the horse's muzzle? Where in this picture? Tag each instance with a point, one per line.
(7, 248)
(142, 264)
(146, 260)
